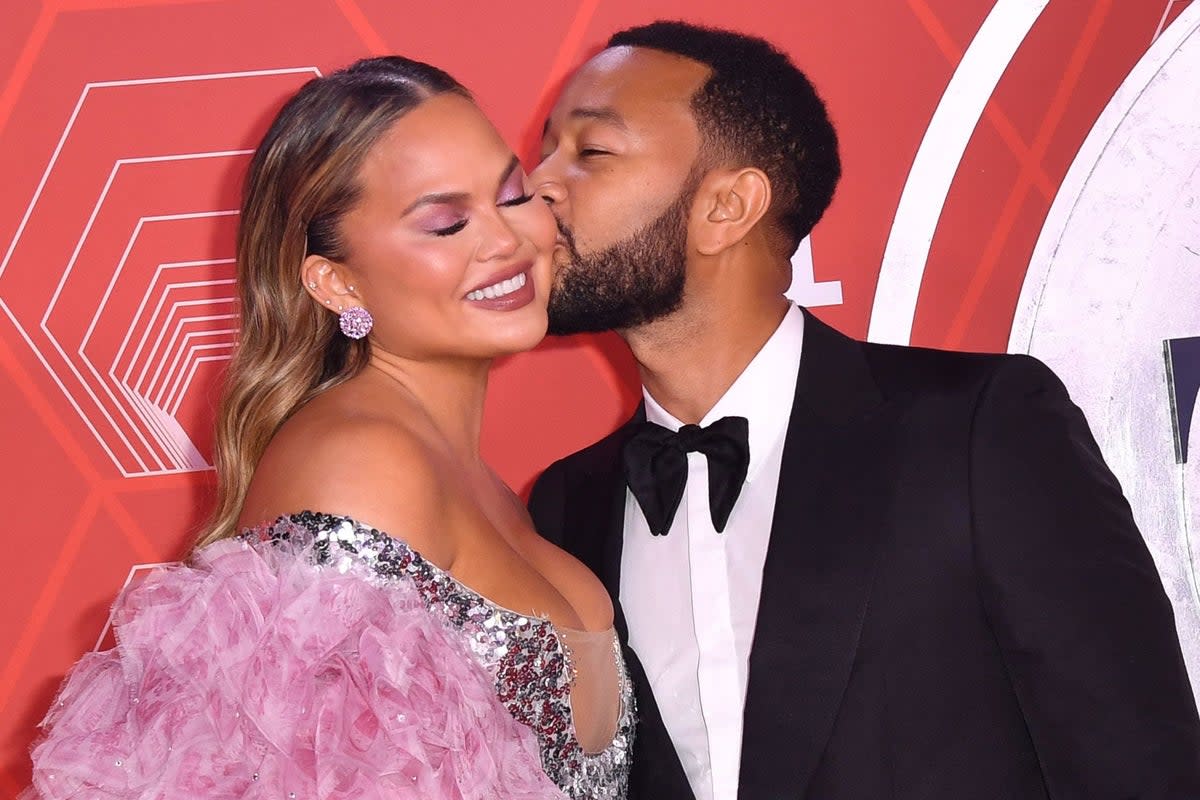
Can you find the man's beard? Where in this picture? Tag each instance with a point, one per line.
(630, 283)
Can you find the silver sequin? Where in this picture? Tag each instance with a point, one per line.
(531, 666)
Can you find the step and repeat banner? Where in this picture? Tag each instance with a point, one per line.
(1020, 175)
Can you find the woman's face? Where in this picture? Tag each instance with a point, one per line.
(446, 248)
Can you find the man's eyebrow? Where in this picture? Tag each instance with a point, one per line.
(603, 114)
(434, 198)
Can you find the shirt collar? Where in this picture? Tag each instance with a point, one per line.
(762, 393)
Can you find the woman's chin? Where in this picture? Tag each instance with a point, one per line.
(511, 339)
(522, 344)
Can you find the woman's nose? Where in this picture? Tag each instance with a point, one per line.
(501, 241)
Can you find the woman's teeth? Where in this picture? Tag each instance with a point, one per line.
(498, 289)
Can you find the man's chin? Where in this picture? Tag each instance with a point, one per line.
(558, 326)
(570, 325)
(561, 259)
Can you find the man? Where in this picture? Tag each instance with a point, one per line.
(921, 581)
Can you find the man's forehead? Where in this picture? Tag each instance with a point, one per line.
(628, 78)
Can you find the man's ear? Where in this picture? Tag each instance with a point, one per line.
(729, 203)
(328, 283)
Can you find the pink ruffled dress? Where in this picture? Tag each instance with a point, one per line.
(317, 657)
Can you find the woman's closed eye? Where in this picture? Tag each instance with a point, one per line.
(449, 230)
(516, 201)
(513, 191)
(458, 225)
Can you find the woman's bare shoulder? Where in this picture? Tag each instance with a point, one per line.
(371, 468)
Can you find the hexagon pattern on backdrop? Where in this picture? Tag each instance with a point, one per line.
(132, 279)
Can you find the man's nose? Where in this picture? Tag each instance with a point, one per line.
(546, 183)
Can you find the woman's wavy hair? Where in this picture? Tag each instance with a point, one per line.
(302, 181)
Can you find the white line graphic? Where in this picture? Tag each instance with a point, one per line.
(145, 457)
(937, 160)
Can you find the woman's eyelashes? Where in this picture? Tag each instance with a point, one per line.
(515, 194)
(451, 229)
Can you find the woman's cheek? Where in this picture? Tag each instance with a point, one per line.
(543, 230)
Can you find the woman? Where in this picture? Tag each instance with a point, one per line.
(370, 612)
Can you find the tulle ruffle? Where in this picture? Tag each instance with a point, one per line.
(253, 673)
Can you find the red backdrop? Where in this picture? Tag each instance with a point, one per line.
(125, 127)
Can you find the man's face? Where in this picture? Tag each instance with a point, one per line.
(619, 152)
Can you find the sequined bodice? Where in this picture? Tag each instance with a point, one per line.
(529, 660)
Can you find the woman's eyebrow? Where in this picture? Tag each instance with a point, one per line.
(436, 198)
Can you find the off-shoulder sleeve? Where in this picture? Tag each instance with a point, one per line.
(252, 673)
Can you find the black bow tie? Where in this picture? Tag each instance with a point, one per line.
(656, 468)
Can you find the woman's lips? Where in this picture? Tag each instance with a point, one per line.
(506, 294)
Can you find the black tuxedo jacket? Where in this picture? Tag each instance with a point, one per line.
(956, 602)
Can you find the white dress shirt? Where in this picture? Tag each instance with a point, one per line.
(691, 597)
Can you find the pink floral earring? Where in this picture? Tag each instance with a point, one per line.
(355, 321)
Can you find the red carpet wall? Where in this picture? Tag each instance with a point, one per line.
(1020, 175)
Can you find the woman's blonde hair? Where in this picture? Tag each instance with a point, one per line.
(302, 180)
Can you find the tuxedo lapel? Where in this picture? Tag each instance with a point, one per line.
(828, 517)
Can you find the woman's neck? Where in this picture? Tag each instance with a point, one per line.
(450, 394)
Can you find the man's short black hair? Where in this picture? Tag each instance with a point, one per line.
(758, 110)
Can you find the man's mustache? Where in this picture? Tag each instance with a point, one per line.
(565, 234)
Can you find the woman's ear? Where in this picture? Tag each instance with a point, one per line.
(729, 203)
(327, 282)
